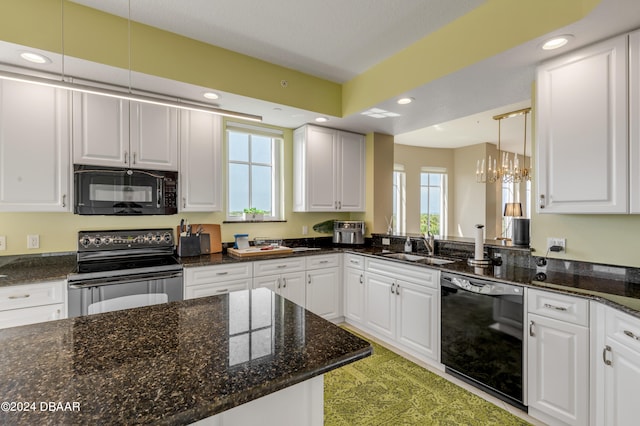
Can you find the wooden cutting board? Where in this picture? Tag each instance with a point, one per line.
(215, 236)
(255, 251)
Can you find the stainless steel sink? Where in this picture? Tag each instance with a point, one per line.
(416, 258)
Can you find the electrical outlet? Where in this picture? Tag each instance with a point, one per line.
(3, 242)
(554, 241)
(33, 241)
(305, 229)
(386, 241)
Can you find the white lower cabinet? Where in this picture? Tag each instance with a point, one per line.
(324, 286)
(401, 306)
(290, 286)
(202, 281)
(558, 358)
(353, 280)
(32, 303)
(617, 370)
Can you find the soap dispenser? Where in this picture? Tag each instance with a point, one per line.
(407, 246)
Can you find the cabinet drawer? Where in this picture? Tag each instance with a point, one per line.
(323, 261)
(415, 274)
(559, 306)
(623, 328)
(353, 261)
(216, 274)
(31, 315)
(277, 266)
(27, 295)
(204, 290)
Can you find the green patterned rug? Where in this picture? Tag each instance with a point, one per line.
(387, 389)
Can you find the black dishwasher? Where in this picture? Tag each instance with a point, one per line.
(482, 331)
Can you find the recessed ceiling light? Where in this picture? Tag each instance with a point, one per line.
(322, 119)
(36, 58)
(404, 101)
(210, 95)
(556, 42)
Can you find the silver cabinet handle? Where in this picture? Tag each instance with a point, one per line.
(557, 308)
(222, 290)
(134, 158)
(542, 201)
(281, 266)
(57, 314)
(392, 288)
(309, 281)
(604, 355)
(361, 278)
(64, 200)
(278, 282)
(355, 262)
(335, 205)
(323, 261)
(531, 324)
(126, 157)
(284, 283)
(630, 334)
(221, 273)
(397, 289)
(184, 202)
(22, 296)
(339, 205)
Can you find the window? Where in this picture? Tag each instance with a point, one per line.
(433, 191)
(253, 171)
(399, 218)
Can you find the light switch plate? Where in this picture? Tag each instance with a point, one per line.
(33, 241)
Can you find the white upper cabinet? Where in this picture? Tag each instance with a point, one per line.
(200, 162)
(329, 170)
(634, 120)
(120, 133)
(34, 148)
(582, 141)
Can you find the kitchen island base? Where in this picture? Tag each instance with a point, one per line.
(301, 404)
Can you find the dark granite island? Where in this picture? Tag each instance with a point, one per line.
(175, 364)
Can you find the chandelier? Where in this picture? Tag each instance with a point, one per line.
(503, 167)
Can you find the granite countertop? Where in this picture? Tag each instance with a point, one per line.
(173, 363)
(36, 268)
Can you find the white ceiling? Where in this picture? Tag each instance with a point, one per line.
(337, 39)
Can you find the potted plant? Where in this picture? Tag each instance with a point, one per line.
(253, 214)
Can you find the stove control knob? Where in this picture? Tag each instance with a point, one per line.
(97, 241)
(149, 239)
(107, 240)
(158, 238)
(167, 237)
(85, 241)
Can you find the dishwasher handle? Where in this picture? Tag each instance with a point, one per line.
(488, 288)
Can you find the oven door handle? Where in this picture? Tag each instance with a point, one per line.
(97, 282)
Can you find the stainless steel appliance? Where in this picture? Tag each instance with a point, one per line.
(114, 191)
(482, 335)
(124, 269)
(348, 232)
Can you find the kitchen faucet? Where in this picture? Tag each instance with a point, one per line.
(429, 243)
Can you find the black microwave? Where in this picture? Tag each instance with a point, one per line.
(125, 192)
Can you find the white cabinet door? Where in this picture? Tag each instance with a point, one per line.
(380, 304)
(119, 133)
(351, 157)
(200, 162)
(272, 282)
(622, 385)
(582, 142)
(634, 122)
(321, 172)
(34, 148)
(293, 287)
(324, 293)
(153, 137)
(100, 130)
(354, 295)
(558, 369)
(417, 318)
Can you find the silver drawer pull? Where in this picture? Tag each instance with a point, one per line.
(221, 273)
(355, 262)
(604, 355)
(557, 308)
(281, 266)
(630, 334)
(531, 332)
(22, 296)
(324, 261)
(223, 290)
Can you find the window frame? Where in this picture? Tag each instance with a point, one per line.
(399, 212)
(443, 195)
(277, 164)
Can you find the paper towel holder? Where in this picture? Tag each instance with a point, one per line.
(482, 263)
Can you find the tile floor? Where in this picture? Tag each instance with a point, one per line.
(452, 379)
